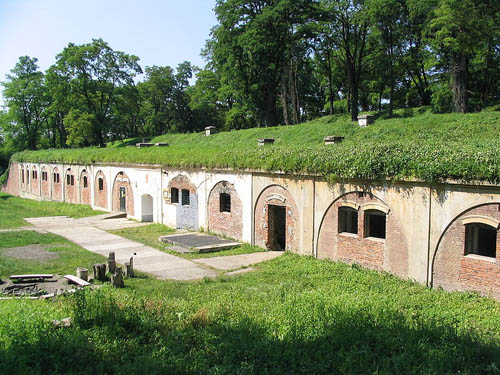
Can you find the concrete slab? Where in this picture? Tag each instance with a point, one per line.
(233, 262)
(200, 242)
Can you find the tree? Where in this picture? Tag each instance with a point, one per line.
(94, 72)
(26, 97)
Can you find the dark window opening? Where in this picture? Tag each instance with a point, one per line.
(27, 176)
(185, 197)
(225, 202)
(85, 183)
(57, 178)
(72, 180)
(101, 184)
(375, 224)
(276, 227)
(22, 176)
(44, 176)
(361, 194)
(67, 179)
(348, 220)
(174, 195)
(480, 239)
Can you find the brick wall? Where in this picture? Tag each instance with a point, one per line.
(84, 191)
(100, 196)
(453, 269)
(122, 180)
(278, 196)
(389, 254)
(70, 193)
(35, 188)
(45, 185)
(12, 185)
(226, 223)
(56, 186)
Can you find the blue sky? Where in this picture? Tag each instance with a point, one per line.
(161, 32)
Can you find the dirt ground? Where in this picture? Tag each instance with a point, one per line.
(30, 252)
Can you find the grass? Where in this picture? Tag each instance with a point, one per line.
(148, 235)
(70, 256)
(421, 145)
(13, 210)
(293, 315)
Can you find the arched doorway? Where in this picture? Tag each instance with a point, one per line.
(100, 191)
(147, 208)
(84, 187)
(123, 197)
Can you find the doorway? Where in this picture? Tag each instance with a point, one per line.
(277, 227)
(123, 196)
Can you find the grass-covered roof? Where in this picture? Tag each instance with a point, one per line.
(417, 145)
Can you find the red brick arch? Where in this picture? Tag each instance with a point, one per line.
(56, 185)
(389, 254)
(226, 223)
(35, 189)
(122, 181)
(276, 195)
(100, 195)
(84, 190)
(452, 269)
(70, 187)
(45, 184)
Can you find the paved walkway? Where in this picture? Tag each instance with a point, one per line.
(85, 233)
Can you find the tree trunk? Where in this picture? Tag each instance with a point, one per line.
(284, 104)
(330, 83)
(459, 70)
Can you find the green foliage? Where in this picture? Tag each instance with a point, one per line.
(428, 147)
(79, 127)
(293, 315)
(13, 210)
(442, 98)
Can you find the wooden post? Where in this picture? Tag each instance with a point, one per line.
(99, 272)
(117, 278)
(82, 273)
(111, 262)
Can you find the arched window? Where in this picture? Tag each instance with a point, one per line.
(348, 220)
(375, 223)
(480, 239)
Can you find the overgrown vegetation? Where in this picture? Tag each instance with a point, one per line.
(293, 315)
(417, 144)
(13, 210)
(149, 234)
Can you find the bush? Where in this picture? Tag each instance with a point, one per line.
(442, 98)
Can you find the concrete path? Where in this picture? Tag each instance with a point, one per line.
(86, 233)
(146, 259)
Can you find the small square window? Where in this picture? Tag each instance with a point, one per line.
(174, 195)
(348, 220)
(375, 224)
(101, 184)
(185, 197)
(224, 202)
(480, 239)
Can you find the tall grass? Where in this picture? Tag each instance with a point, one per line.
(427, 146)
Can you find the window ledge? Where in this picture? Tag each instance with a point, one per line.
(375, 239)
(348, 234)
(481, 257)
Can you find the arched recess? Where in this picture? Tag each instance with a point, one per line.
(182, 201)
(56, 184)
(147, 208)
(45, 183)
(84, 187)
(23, 178)
(35, 189)
(276, 219)
(123, 195)
(225, 211)
(100, 190)
(455, 266)
(70, 192)
(359, 228)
